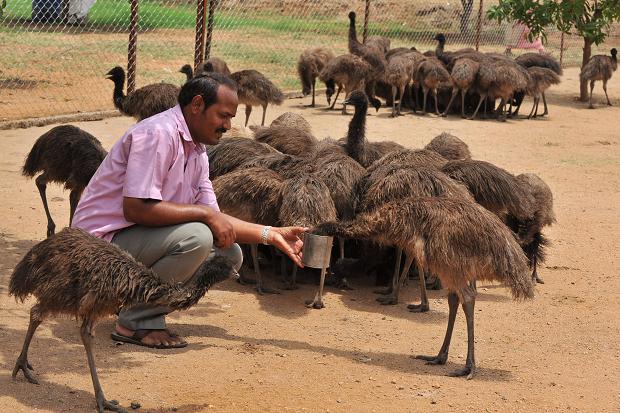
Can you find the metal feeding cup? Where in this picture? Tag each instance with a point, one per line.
(317, 252)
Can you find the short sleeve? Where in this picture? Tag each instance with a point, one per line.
(150, 155)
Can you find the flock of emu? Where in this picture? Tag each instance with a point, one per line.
(458, 219)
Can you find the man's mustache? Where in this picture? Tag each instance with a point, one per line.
(221, 130)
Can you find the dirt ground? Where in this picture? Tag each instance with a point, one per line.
(559, 352)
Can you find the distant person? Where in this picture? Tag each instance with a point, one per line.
(516, 38)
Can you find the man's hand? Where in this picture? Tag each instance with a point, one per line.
(222, 229)
(287, 240)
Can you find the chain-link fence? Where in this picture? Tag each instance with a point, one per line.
(55, 53)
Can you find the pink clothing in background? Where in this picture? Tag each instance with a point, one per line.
(518, 39)
(155, 159)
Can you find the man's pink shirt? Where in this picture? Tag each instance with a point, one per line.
(155, 159)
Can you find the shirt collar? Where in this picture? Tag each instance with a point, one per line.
(184, 130)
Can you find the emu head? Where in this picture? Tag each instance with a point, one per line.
(440, 37)
(352, 16)
(358, 99)
(116, 74)
(306, 89)
(614, 52)
(330, 90)
(187, 70)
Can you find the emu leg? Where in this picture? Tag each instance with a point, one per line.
(291, 283)
(435, 97)
(546, 112)
(393, 298)
(248, 110)
(393, 114)
(463, 93)
(390, 288)
(605, 89)
(423, 306)
(482, 98)
(532, 111)
(102, 403)
(313, 85)
(455, 92)
(336, 98)
(537, 103)
(318, 297)
(400, 102)
(74, 198)
(470, 363)
(591, 89)
(41, 183)
(442, 357)
(22, 361)
(499, 112)
(534, 264)
(262, 123)
(425, 91)
(259, 276)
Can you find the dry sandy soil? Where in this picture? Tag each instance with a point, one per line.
(559, 352)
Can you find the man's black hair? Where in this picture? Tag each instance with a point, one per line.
(205, 85)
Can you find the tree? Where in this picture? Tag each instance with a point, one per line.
(466, 14)
(590, 19)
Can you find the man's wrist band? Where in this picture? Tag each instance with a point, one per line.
(264, 234)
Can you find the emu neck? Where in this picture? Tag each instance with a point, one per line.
(440, 47)
(119, 96)
(356, 136)
(352, 34)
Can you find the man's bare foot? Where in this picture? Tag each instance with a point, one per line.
(150, 338)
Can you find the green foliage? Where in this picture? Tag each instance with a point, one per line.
(589, 19)
(2, 7)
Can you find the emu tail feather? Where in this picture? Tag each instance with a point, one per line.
(211, 272)
(537, 248)
(22, 281)
(31, 166)
(513, 267)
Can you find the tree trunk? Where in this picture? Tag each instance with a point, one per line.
(467, 9)
(587, 53)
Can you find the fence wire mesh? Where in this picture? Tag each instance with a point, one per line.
(55, 53)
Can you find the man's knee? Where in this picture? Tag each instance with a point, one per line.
(196, 240)
(234, 254)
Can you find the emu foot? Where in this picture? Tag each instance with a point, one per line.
(433, 283)
(26, 367)
(443, 114)
(468, 371)
(317, 303)
(243, 280)
(439, 359)
(591, 107)
(109, 405)
(383, 291)
(262, 290)
(418, 308)
(290, 286)
(538, 279)
(390, 299)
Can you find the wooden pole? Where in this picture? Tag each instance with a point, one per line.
(479, 25)
(366, 16)
(212, 7)
(133, 47)
(561, 48)
(199, 45)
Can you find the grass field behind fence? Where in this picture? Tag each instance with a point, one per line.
(63, 67)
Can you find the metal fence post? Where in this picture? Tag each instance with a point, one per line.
(199, 45)
(366, 15)
(133, 47)
(212, 6)
(479, 25)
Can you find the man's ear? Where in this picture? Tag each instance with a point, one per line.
(197, 104)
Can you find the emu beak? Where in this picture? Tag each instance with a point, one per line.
(347, 101)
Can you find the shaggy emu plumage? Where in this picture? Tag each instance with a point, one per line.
(144, 102)
(254, 89)
(213, 64)
(600, 67)
(449, 146)
(306, 201)
(309, 65)
(540, 80)
(409, 158)
(253, 195)
(430, 74)
(529, 231)
(463, 76)
(73, 273)
(231, 152)
(67, 155)
(529, 60)
(292, 120)
(458, 241)
(286, 139)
